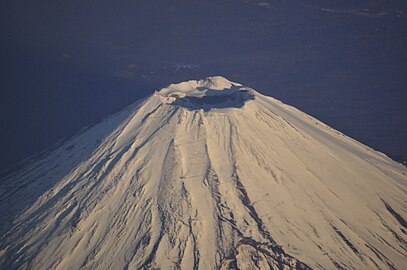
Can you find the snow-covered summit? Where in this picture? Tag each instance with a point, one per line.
(206, 174)
(209, 93)
(216, 85)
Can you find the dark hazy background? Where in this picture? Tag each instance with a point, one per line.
(67, 64)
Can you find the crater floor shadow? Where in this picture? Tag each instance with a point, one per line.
(214, 99)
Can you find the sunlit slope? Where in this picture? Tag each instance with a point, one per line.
(207, 175)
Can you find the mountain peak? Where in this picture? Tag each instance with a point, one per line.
(199, 88)
(206, 174)
(209, 93)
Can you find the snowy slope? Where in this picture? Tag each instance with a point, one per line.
(206, 174)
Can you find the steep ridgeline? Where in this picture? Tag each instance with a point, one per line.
(204, 175)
